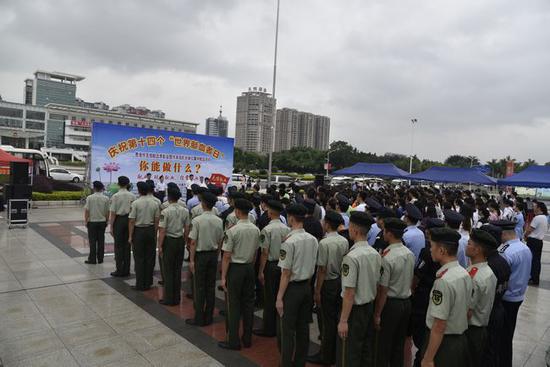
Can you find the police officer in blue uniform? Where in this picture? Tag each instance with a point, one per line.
(413, 237)
(453, 220)
(519, 257)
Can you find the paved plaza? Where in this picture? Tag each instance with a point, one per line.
(58, 311)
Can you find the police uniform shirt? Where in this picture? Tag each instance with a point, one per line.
(174, 219)
(121, 202)
(157, 200)
(373, 233)
(461, 252)
(332, 250)
(483, 296)
(193, 202)
(198, 210)
(361, 270)
(345, 217)
(397, 270)
(144, 210)
(207, 231)
(232, 219)
(450, 298)
(97, 205)
(242, 241)
(414, 239)
(272, 236)
(519, 258)
(299, 254)
(180, 202)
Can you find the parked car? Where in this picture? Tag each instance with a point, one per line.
(61, 174)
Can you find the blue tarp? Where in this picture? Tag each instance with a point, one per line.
(385, 170)
(453, 175)
(532, 176)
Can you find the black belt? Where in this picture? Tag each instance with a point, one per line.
(299, 281)
(240, 264)
(148, 226)
(363, 305)
(206, 252)
(398, 299)
(122, 215)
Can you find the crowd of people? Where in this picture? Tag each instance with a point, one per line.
(381, 268)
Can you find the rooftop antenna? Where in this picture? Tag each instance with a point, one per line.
(220, 111)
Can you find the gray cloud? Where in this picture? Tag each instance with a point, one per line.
(473, 73)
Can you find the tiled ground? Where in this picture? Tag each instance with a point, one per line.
(57, 311)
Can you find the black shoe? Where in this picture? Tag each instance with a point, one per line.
(318, 359)
(226, 345)
(533, 283)
(124, 275)
(262, 333)
(163, 302)
(189, 295)
(161, 282)
(89, 262)
(115, 274)
(100, 261)
(192, 322)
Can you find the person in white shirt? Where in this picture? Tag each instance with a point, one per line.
(160, 189)
(190, 181)
(535, 235)
(507, 211)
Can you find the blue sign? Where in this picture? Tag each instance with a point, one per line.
(179, 157)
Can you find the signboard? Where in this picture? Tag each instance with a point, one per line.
(179, 157)
(79, 123)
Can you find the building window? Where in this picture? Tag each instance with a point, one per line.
(34, 125)
(55, 116)
(36, 115)
(10, 112)
(10, 122)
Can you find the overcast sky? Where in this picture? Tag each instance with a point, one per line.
(476, 74)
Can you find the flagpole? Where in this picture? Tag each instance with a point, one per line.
(274, 112)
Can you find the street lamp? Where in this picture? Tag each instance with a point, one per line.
(413, 122)
(274, 112)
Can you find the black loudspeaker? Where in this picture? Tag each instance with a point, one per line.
(319, 180)
(19, 173)
(17, 192)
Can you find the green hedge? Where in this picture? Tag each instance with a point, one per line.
(57, 196)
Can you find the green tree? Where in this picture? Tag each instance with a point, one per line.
(457, 160)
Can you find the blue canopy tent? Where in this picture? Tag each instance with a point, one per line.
(532, 176)
(453, 175)
(383, 170)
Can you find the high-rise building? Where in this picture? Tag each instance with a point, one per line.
(217, 126)
(254, 122)
(301, 129)
(51, 87)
